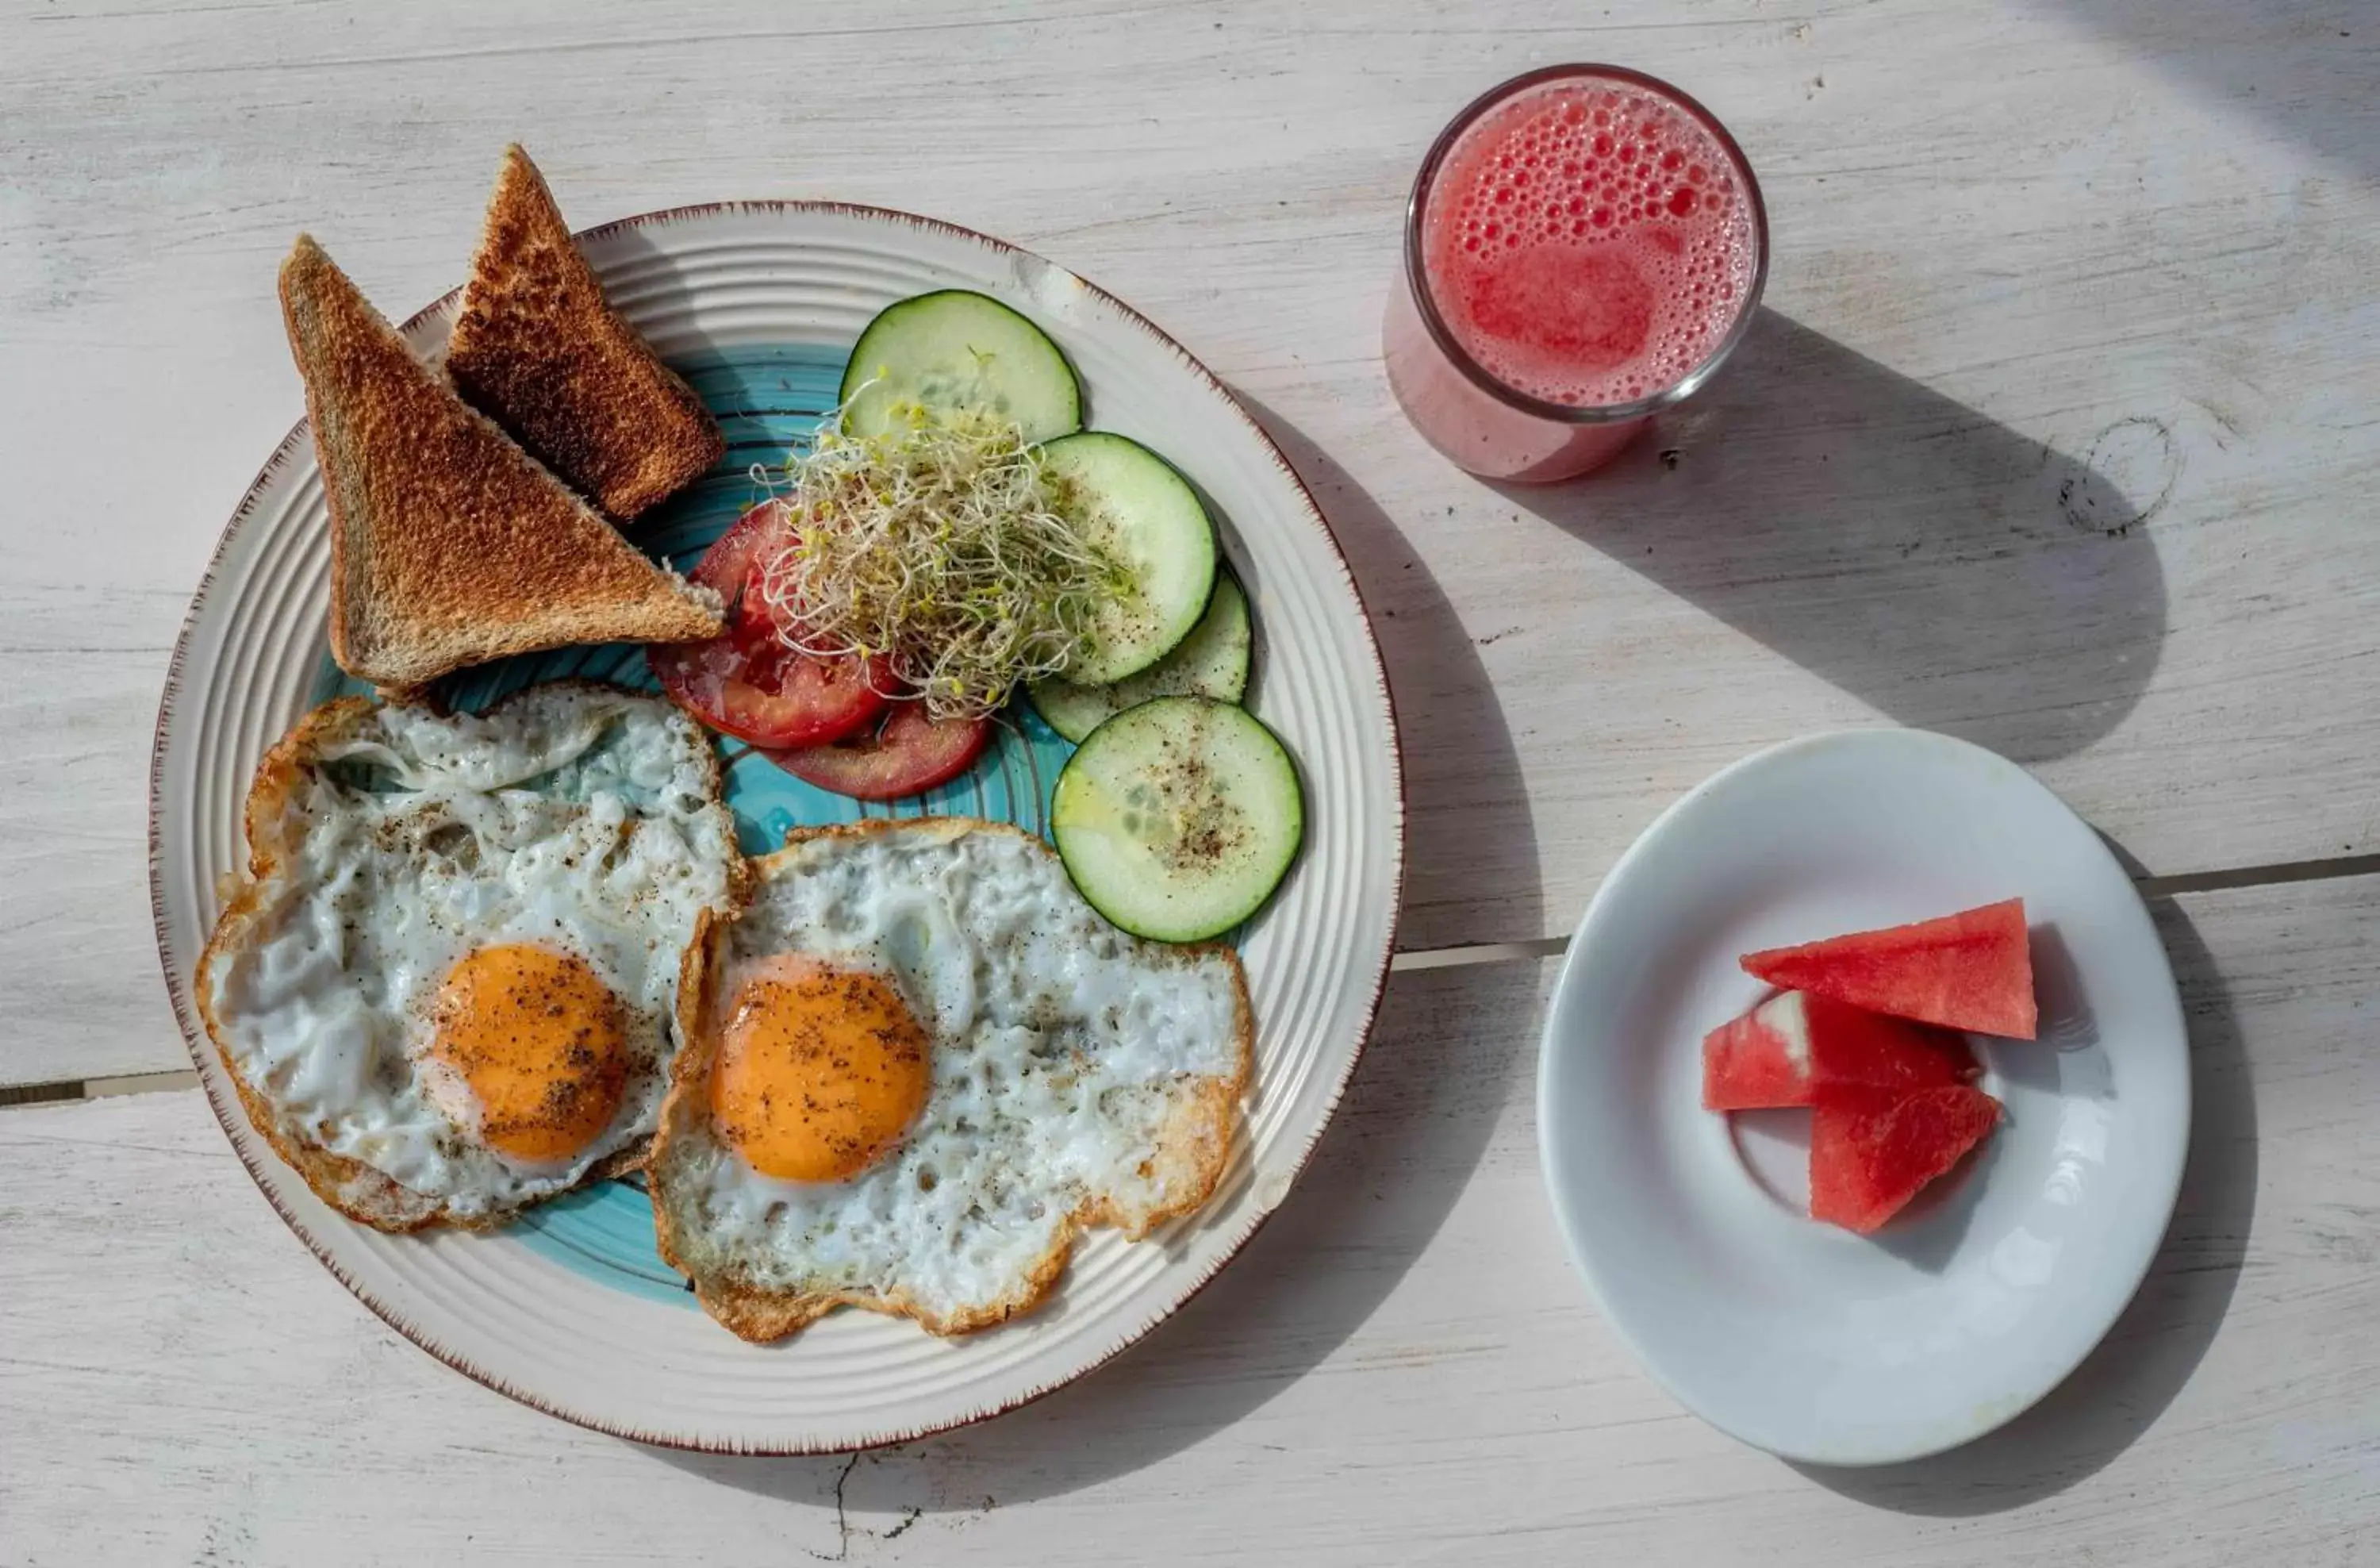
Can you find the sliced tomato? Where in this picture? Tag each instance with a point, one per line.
(769, 697)
(746, 682)
(912, 752)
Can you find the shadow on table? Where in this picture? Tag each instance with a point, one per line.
(1468, 825)
(1396, 1158)
(1940, 566)
(2308, 68)
(2124, 1385)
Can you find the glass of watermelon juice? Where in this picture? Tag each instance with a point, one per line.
(1584, 248)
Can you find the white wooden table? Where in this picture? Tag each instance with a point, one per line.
(2062, 433)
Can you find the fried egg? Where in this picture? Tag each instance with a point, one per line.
(447, 988)
(917, 1064)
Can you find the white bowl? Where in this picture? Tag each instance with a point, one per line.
(1798, 1337)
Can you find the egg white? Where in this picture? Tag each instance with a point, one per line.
(395, 840)
(1078, 1075)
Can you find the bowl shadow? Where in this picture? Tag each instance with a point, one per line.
(1946, 570)
(1401, 1148)
(2119, 1391)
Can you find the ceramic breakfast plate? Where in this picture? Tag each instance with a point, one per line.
(1809, 1341)
(570, 1309)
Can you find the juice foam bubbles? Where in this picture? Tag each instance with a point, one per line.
(1588, 243)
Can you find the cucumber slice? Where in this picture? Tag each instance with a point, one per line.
(1211, 661)
(1177, 819)
(955, 350)
(1146, 517)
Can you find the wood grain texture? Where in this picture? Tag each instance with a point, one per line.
(1402, 1368)
(2059, 432)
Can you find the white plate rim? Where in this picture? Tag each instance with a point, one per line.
(232, 1118)
(2167, 1179)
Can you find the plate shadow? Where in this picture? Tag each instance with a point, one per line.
(1942, 568)
(2124, 1385)
(1398, 1154)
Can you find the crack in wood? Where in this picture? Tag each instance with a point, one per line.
(842, 1516)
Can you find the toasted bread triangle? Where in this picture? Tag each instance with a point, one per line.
(449, 544)
(540, 351)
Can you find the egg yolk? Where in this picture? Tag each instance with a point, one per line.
(541, 1043)
(818, 1073)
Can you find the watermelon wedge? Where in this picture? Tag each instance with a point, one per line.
(1872, 1151)
(1971, 970)
(1795, 1046)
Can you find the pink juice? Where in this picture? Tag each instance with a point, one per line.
(1584, 248)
